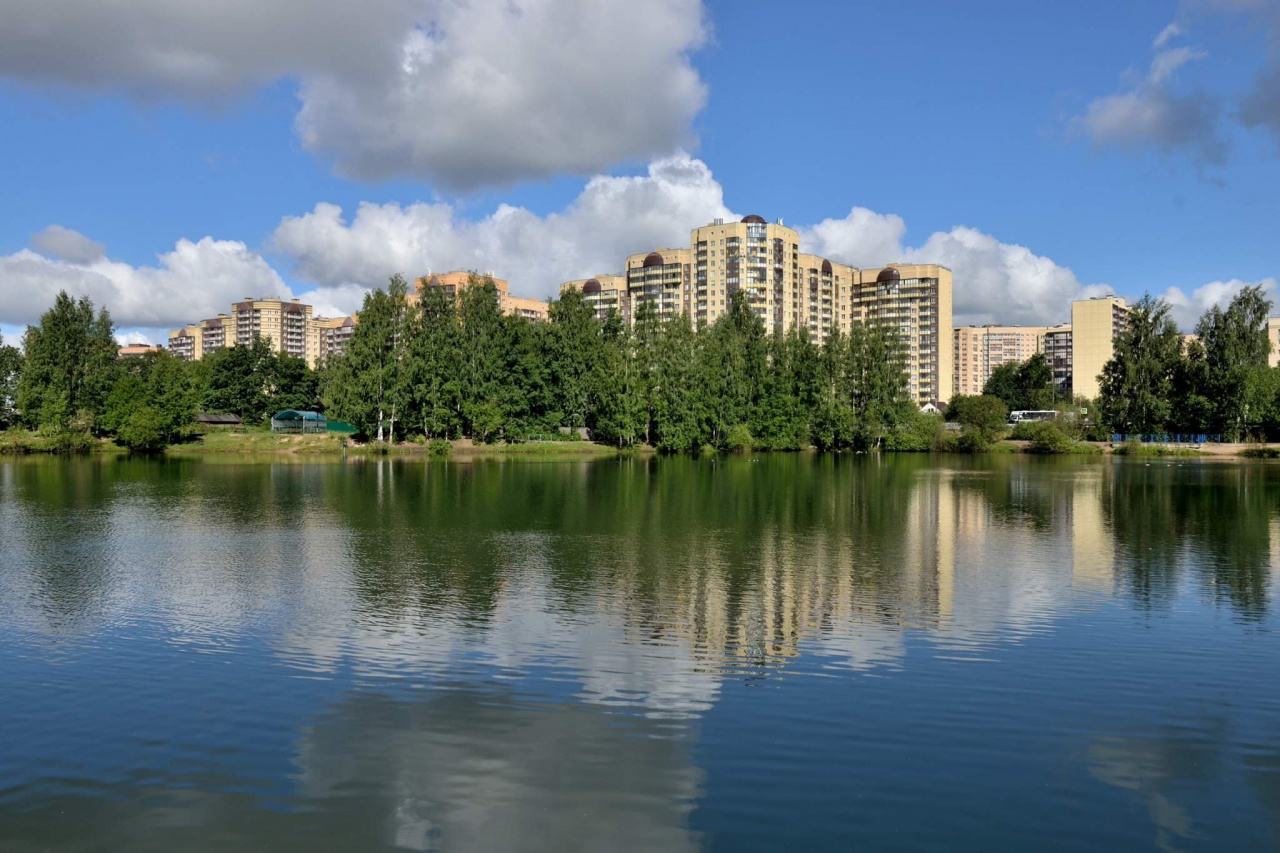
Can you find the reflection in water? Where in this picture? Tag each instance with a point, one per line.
(522, 655)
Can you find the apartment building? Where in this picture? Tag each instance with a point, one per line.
(916, 300)
(821, 297)
(1095, 325)
(1273, 336)
(978, 350)
(136, 350)
(756, 257)
(662, 280)
(603, 293)
(1057, 351)
(454, 282)
(332, 334)
(287, 325)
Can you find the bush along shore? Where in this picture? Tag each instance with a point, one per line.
(444, 374)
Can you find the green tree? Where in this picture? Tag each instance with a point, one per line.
(878, 375)
(433, 365)
(10, 376)
(1023, 385)
(368, 385)
(986, 414)
(1137, 383)
(678, 404)
(1236, 350)
(238, 381)
(482, 346)
(1003, 383)
(69, 365)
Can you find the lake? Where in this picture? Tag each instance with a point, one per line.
(786, 652)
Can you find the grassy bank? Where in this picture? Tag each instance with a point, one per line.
(1158, 450)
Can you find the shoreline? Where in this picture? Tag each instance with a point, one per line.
(329, 445)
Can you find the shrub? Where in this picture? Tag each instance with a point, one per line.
(142, 431)
(920, 434)
(738, 440)
(1050, 438)
(439, 447)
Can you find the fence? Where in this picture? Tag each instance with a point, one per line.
(1168, 438)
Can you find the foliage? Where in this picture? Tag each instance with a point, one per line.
(1238, 387)
(1137, 383)
(1051, 438)
(68, 367)
(10, 375)
(984, 413)
(439, 447)
(1026, 385)
(738, 439)
(919, 433)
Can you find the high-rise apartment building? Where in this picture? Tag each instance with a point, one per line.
(1057, 351)
(662, 280)
(821, 296)
(603, 293)
(1273, 336)
(454, 282)
(979, 350)
(759, 258)
(915, 300)
(286, 325)
(1095, 325)
(332, 334)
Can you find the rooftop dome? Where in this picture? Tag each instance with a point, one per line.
(826, 267)
(888, 274)
(758, 220)
(434, 281)
(591, 286)
(653, 259)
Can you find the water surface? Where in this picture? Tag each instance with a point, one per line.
(783, 653)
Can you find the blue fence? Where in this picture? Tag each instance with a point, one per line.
(1171, 438)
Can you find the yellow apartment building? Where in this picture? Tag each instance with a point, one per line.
(603, 293)
(1273, 335)
(332, 334)
(916, 300)
(978, 350)
(821, 297)
(287, 325)
(454, 282)
(662, 280)
(1095, 325)
(757, 257)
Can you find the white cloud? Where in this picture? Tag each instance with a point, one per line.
(1171, 31)
(1151, 114)
(1187, 309)
(194, 281)
(611, 218)
(995, 282)
(462, 93)
(65, 244)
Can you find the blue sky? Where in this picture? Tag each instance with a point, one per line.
(1043, 151)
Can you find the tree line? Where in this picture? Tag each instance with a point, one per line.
(452, 365)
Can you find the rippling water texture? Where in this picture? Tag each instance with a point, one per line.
(789, 653)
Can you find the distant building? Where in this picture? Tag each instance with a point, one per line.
(287, 325)
(454, 282)
(821, 297)
(137, 350)
(978, 350)
(1057, 351)
(753, 256)
(603, 293)
(914, 299)
(662, 280)
(1273, 335)
(1095, 326)
(332, 334)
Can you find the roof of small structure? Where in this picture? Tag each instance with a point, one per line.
(754, 219)
(214, 418)
(295, 415)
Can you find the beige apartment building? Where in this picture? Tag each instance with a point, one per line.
(332, 334)
(979, 350)
(914, 299)
(454, 282)
(662, 280)
(287, 325)
(603, 293)
(759, 258)
(821, 297)
(1095, 325)
(1273, 336)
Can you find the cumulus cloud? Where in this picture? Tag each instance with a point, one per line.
(995, 282)
(1188, 308)
(194, 281)
(611, 218)
(462, 93)
(67, 245)
(1153, 114)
